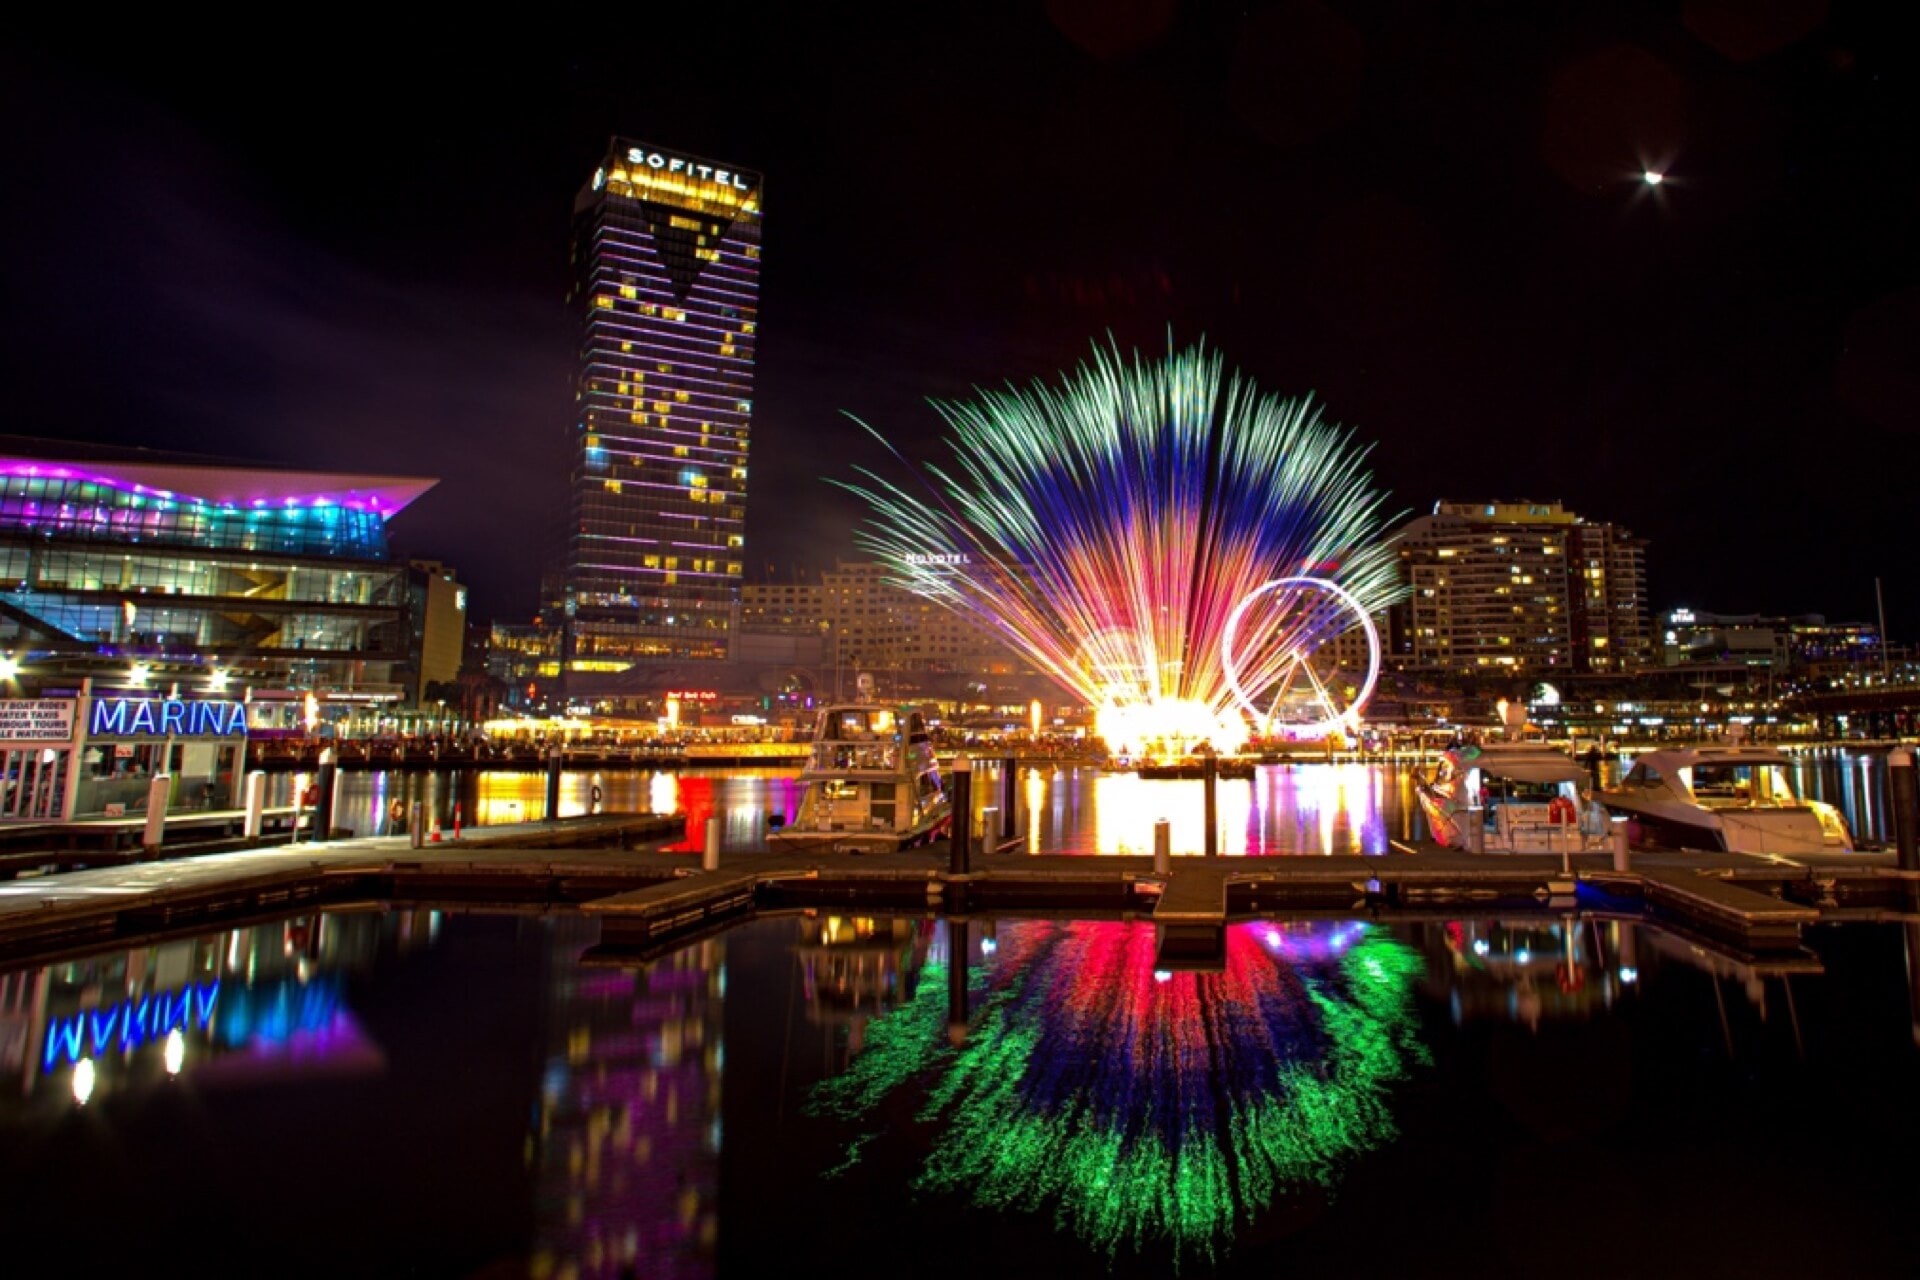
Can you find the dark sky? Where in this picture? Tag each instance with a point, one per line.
(348, 250)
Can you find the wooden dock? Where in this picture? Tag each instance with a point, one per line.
(651, 901)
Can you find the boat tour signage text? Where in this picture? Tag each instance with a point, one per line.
(163, 717)
(36, 719)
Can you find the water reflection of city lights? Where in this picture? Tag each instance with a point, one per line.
(83, 1079)
(1629, 976)
(175, 1053)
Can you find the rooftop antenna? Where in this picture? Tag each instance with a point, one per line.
(1886, 675)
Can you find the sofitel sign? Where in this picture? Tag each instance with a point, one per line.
(161, 717)
(674, 164)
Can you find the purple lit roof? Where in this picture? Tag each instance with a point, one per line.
(241, 487)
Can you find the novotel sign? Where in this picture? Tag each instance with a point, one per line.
(924, 560)
(674, 164)
(164, 717)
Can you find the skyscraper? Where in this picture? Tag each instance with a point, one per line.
(666, 263)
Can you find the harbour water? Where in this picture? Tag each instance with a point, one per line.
(1284, 809)
(488, 1095)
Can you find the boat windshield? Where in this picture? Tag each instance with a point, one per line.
(860, 724)
(1739, 784)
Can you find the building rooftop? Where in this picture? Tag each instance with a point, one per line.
(217, 481)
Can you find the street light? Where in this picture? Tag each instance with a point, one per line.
(9, 666)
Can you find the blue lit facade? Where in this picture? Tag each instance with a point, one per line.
(666, 256)
(283, 577)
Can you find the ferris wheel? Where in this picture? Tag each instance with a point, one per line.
(1284, 661)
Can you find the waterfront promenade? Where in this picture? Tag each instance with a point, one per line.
(653, 900)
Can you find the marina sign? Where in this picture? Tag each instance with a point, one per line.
(167, 717)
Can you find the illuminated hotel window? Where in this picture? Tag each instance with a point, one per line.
(603, 301)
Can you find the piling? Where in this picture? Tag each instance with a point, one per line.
(256, 804)
(1163, 847)
(961, 841)
(416, 826)
(1210, 781)
(710, 856)
(158, 792)
(1906, 807)
(1622, 859)
(1476, 831)
(323, 811)
(554, 760)
(1009, 785)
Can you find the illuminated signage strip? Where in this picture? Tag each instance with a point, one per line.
(167, 717)
(675, 164)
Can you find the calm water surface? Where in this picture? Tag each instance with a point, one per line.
(492, 1095)
(1306, 808)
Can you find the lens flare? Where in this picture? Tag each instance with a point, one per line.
(1127, 531)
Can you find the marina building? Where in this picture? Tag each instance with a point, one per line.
(666, 268)
(156, 609)
(1521, 587)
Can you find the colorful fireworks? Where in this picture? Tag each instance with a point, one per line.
(1162, 539)
(1147, 1110)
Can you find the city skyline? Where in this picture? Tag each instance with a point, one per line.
(1441, 229)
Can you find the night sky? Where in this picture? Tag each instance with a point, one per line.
(349, 250)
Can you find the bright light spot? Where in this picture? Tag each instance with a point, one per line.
(1273, 937)
(139, 673)
(1481, 946)
(1163, 975)
(175, 1052)
(1523, 955)
(988, 946)
(1629, 976)
(1653, 178)
(1168, 728)
(83, 1079)
(9, 667)
(218, 679)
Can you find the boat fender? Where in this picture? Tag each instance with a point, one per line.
(1560, 810)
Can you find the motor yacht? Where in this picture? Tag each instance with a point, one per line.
(871, 782)
(1733, 796)
(1523, 797)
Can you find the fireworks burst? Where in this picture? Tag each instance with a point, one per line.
(1150, 1112)
(1164, 541)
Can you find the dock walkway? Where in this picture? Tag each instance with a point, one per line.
(652, 900)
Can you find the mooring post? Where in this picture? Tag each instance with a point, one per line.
(961, 838)
(1210, 780)
(1009, 785)
(1476, 831)
(417, 825)
(553, 782)
(323, 810)
(1162, 847)
(1618, 833)
(710, 856)
(158, 792)
(1906, 807)
(256, 804)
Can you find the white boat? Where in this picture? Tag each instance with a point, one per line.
(1732, 797)
(872, 784)
(1524, 797)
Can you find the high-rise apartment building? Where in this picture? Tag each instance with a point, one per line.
(1521, 587)
(666, 263)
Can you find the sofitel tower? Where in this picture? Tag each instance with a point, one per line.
(666, 262)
